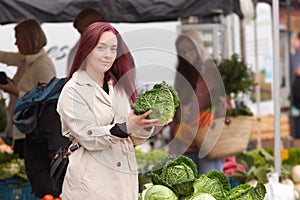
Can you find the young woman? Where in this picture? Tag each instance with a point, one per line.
(95, 112)
(196, 82)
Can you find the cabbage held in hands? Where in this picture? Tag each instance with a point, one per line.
(162, 99)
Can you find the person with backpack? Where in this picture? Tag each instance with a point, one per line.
(34, 66)
(94, 107)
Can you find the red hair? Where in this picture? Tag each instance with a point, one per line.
(123, 67)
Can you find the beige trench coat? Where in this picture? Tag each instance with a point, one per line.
(105, 166)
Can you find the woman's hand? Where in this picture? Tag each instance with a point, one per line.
(136, 122)
(10, 87)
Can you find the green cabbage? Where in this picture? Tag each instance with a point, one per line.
(178, 174)
(160, 192)
(162, 99)
(202, 196)
(210, 186)
(216, 184)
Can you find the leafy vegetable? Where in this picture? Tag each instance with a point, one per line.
(259, 191)
(217, 185)
(12, 166)
(240, 192)
(243, 110)
(221, 177)
(178, 174)
(258, 162)
(210, 186)
(160, 192)
(236, 75)
(202, 196)
(147, 160)
(162, 99)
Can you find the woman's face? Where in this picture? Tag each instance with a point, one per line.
(187, 50)
(102, 57)
(21, 44)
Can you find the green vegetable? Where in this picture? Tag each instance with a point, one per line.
(178, 174)
(160, 192)
(236, 75)
(202, 196)
(247, 192)
(210, 186)
(12, 166)
(162, 99)
(259, 191)
(241, 192)
(224, 180)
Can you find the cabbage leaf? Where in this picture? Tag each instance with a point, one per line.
(162, 99)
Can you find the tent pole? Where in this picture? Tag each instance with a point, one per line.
(276, 97)
(257, 88)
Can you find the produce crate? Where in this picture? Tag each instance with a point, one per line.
(16, 189)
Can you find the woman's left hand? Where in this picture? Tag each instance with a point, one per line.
(136, 122)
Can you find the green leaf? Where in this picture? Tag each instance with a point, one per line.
(162, 99)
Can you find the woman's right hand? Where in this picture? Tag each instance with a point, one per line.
(136, 122)
(10, 87)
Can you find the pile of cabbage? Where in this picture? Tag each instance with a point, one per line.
(162, 99)
(176, 178)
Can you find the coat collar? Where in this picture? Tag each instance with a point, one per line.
(82, 78)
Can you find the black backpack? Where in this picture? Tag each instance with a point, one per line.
(44, 138)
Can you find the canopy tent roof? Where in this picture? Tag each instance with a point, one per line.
(131, 11)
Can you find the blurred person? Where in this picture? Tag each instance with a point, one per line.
(195, 97)
(33, 66)
(82, 20)
(295, 86)
(296, 57)
(94, 107)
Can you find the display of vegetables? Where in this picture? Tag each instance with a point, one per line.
(12, 166)
(162, 99)
(179, 174)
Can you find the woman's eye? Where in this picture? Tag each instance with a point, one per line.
(101, 47)
(113, 50)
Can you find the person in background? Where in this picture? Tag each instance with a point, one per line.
(81, 21)
(296, 57)
(295, 86)
(33, 66)
(94, 107)
(195, 98)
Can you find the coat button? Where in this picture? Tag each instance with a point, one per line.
(118, 164)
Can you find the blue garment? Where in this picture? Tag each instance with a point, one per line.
(205, 165)
(295, 63)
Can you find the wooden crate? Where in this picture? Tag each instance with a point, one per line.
(267, 129)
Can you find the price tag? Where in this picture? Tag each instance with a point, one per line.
(284, 154)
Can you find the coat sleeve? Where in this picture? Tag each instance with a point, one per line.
(78, 122)
(12, 58)
(140, 136)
